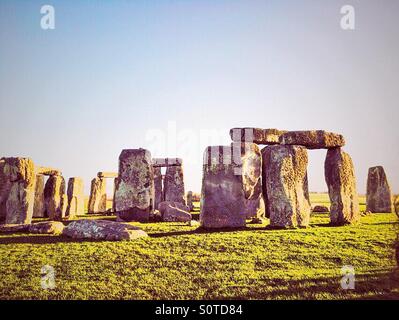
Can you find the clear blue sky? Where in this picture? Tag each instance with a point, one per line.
(74, 97)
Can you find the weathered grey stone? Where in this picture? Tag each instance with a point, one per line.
(47, 171)
(13, 228)
(173, 212)
(231, 175)
(256, 135)
(5, 187)
(285, 186)
(134, 191)
(165, 204)
(103, 230)
(166, 162)
(47, 227)
(158, 187)
(39, 206)
(76, 200)
(104, 174)
(313, 139)
(255, 208)
(173, 184)
(54, 197)
(189, 200)
(340, 177)
(98, 196)
(20, 173)
(379, 197)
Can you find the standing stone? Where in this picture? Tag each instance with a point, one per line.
(75, 197)
(379, 197)
(54, 192)
(20, 172)
(39, 208)
(173, 184)
(313, 139)
(255, 208)
(98, 196)
(134, 191)
(189, 200)
(340, 177)
(285, 186)
(231, 175)
(5, 186)
(158, 187)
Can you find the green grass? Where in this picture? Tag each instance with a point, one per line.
(179, 262)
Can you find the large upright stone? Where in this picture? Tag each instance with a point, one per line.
(340, 177)
(75, 194)
(231, 176)
(173, 184)
(54, 196)
(379, 196)
(5, 186)
(313, 139)
(20, 173)
(98, 196)
(39, 207)
(134, 191)
(158, 187)
(189, 200)
(256, 135)
(285, 186)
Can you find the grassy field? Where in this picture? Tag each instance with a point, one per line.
(177, 261)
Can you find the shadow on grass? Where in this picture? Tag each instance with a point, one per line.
(42, 239)
(382, 284)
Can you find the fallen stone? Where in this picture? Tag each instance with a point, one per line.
(379, 196)
(54, 197)
(173, 185)
(256, 135)
(102, 230)
(285, 186)
(13, 228)
(75, 195)
(98, 196)
(314, 139)
(340, 178)
(134, 191)
(47, 227)
(39, 207)
(173, 212)
(20, 173)
(194, 223)
(320, 209)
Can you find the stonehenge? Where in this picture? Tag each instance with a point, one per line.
(379, 197)
(240, 182)
(75, 195)
(285, 185)
(134, 189)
